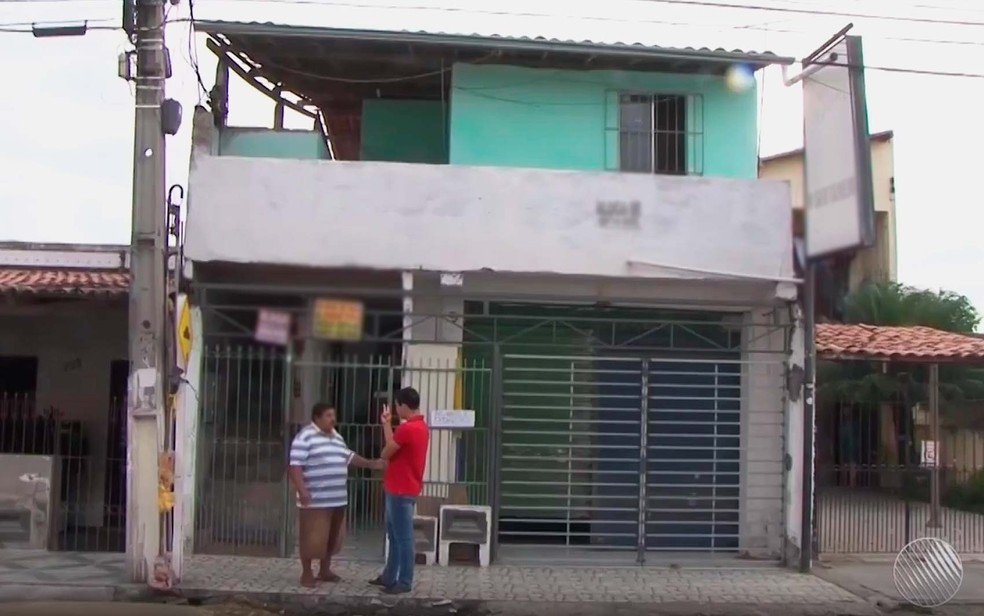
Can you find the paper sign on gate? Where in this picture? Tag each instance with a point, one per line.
(273, 327)
(451, 419)
(929, 453)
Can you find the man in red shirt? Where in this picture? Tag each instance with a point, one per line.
(406, 456)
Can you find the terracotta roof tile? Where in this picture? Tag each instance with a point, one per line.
(911, 343)
(63, 282)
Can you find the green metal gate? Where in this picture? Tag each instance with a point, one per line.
(251, 411)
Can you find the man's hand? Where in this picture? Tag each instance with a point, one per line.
(304, 497)
(379, 464)
(386, 416)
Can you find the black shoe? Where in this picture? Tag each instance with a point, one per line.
(396, 589)
(378, 581)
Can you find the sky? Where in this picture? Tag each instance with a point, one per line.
(67, 121)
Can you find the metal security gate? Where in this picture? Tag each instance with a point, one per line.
(256, 398)
(611, 457)
(874, 484)
(693, 436)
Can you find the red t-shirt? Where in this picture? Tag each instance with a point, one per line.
(404, 474)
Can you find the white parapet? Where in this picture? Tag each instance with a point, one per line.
(397, 216)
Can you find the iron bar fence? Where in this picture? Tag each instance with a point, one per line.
(73, 467)
(874, 466)
(558, 448)
(255, 399)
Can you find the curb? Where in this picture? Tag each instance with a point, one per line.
(293, 604)
(327, 605)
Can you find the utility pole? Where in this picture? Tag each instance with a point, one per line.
(148, 329)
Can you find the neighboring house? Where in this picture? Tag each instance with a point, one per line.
(63, 373)
(877, 263)
(567, 238)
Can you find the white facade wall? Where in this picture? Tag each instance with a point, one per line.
(448, 218)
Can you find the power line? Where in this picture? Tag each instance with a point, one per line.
(757, 27)
(52, 22)
(827, 13)
(5, 28)
(750, 27)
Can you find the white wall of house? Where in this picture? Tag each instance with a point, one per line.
(440, 217)
(75, 343)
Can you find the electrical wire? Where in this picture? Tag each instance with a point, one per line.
(756, 27)
(892, 69)
(193, 53)
(53, 22)
(7, 30)
(804, 11)
(726, 4)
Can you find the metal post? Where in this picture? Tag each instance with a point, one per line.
(643, 503)
(934, 427)
(809, 415)
(147, 325)
(286, 539)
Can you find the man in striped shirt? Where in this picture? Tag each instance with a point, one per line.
(319, 461)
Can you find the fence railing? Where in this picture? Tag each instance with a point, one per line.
(874, 476)
(86, 478)
(255, 399)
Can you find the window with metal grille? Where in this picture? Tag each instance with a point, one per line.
(659, 133)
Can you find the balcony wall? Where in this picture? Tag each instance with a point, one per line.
(458, 218)
(271, 143)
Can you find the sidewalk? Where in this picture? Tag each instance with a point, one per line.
(26, 576)
(870, 577)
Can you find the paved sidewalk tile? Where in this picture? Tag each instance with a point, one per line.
(229, 575)
(550, 584)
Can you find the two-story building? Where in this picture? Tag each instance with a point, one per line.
(568, 238)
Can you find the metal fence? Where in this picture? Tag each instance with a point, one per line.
(622, 459)
(251, 411)
(874, 470)
(582, 457)
(86, 478)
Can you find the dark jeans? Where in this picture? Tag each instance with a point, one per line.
(399, 530)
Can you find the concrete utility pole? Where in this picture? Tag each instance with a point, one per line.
(148, 330)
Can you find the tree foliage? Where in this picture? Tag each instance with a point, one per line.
(890, 303)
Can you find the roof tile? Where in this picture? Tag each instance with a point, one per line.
(882, 342)
(64, 282)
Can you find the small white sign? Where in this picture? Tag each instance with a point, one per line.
(273, 327)
(452, 279)
(929, 453)
(452, 419)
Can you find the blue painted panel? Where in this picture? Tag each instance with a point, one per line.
(619, 410)
(693, 456)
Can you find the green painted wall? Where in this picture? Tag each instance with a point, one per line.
(408, 131)
(268, 143)
(560, 119)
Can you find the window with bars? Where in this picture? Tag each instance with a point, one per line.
(659, 133)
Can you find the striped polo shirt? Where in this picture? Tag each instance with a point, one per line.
(324, 460)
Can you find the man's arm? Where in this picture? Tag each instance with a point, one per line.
(297, 478)
(390, 446)
(359, 462)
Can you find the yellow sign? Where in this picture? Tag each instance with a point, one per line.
(183, 331)
(337, 320)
